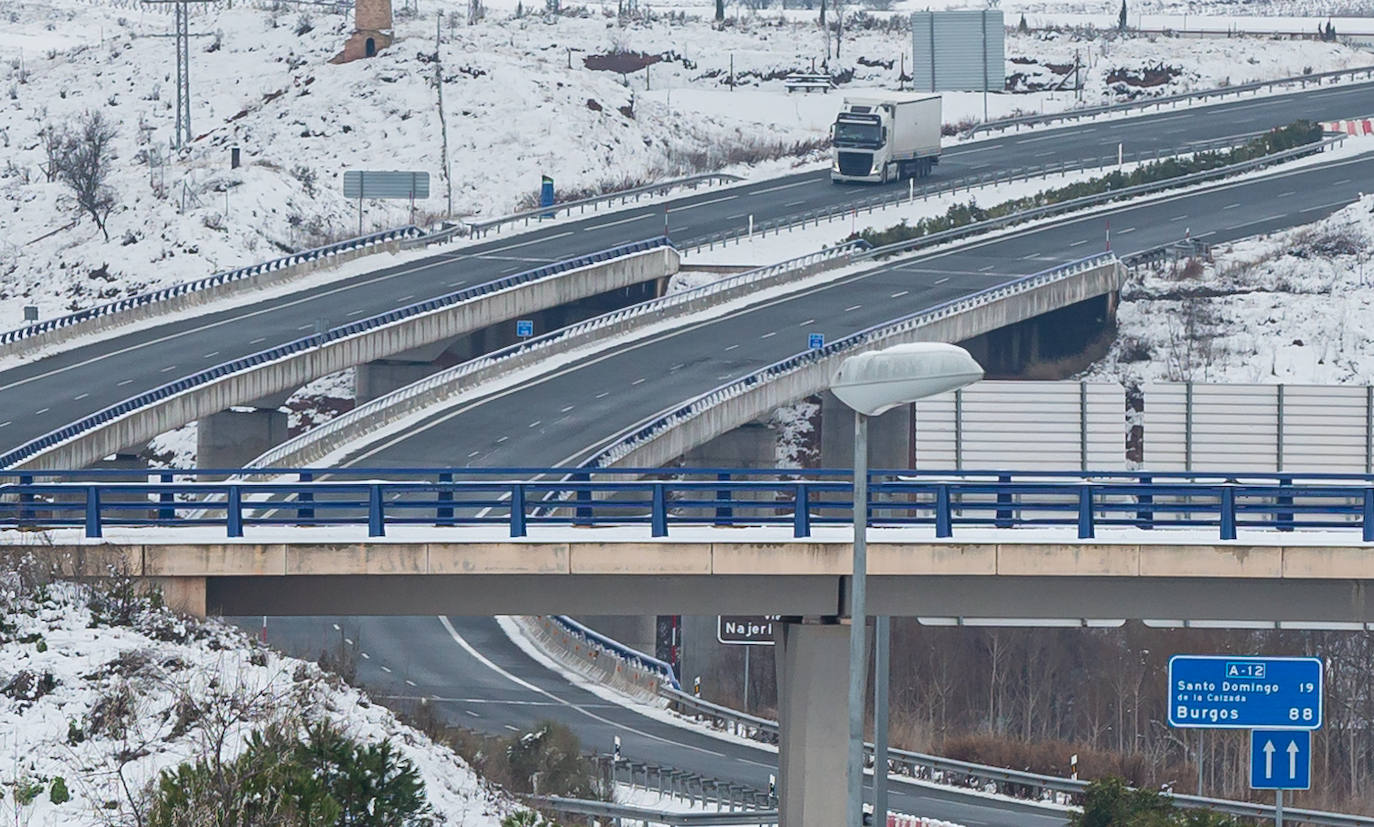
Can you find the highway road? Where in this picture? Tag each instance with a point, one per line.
(483, 681)
(40, 396)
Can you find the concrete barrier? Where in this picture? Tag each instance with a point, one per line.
(296, 369)
(589, 660)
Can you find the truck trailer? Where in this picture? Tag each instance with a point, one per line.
(886, 136)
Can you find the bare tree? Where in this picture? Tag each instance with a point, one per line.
(83, 163)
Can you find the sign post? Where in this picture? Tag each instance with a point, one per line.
(1280, 759)
(1224, 692)
(746, 631)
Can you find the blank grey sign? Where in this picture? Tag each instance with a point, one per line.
(368, 183)
(958, 51)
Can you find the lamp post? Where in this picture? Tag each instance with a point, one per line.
(871, 384)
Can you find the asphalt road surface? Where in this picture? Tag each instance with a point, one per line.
(43, 395)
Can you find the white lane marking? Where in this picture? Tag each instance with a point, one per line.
(678, 366)
(502, 439)
(336, 626)
(258, 340)
(365, 655)
(987, 268)
(125, 382)
(357, 312)
(1127, 230)
(973, 150)
(525, 243)
(169, 367)
(41, 411)
(212, 354)
(473, 454)
(79, 397)
(566, 409)
(638, 381)
(770, 333)
(899, 294)
(1231, 206)
(6, 423)
(621, 221)
(482, 659)
(1178, 218)
(536, 423)
(473, 714)
(509, 727)
(1078, 243)
(794, 203)
(732, 347)
(603, 394)
(782, 187)
(943, 280)
(677, 210)
(1038, 140)
(386, 670)
(852, 307)
(807, 322)
(1291, 192)
(409, 682)
(406, 298)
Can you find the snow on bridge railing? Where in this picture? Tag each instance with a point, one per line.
(517, 499)
(214, 280)
(256, 360)
(1301, 81)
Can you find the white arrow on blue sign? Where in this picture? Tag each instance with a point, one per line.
(1280, 759)
(815, 341)
(524, 328)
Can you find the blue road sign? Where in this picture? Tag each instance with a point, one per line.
(524, 328)
(815, 341)
(1280, 759)
(1224, 692)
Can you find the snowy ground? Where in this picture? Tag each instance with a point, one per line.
(1290, 307)
(261, 81)
(65, 672)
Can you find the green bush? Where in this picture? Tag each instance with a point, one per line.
(958, 215)
(281, 779)
(1108, 802)
(58, 792)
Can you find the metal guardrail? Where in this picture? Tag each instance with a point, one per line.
(1100, 198)
(891, 198)
(682, 784)
(1093, 111)
(463, 378)
(628, 440)
(481, 228)
(794, 497)
(608, 810)
(619, 649)
(252, 361)
(215, 280)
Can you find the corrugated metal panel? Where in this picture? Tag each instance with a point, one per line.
(948, 49)
(378, 183)
(1029, 426)
(1264, 428)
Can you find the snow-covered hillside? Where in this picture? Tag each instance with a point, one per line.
(1290, 307)
(104, 692)
(563, 95)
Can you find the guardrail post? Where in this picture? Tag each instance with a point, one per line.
(443, 514)
(375, 518)
(1228, 513)
(92, 511)
(659, 518)
(306, 499)
(1086, 527)
(25, 498)
(1145, 502)
(724, 513)
(1004, 499)
(1369, 515)
(1285, 518)
(801, 512)
(165, 510)
(233, 512)
(517, 510)
(584, 495)
(942, 515)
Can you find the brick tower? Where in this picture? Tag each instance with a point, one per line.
(371, 30)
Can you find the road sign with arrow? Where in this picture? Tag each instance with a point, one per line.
(1280, 759)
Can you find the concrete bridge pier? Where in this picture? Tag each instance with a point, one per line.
(235, 437)
(813, 716)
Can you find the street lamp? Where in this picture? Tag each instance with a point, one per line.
(872, 383)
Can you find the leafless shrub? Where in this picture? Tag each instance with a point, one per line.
(83, 160)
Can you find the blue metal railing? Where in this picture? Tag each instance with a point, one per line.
(213, 280)
(361, 326)
(517, 498)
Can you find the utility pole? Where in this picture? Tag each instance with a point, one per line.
(443, 124)
(183, 46)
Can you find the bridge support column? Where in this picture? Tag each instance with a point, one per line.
(233, 438)
(181, 594)
(813, 719)
(889, 436)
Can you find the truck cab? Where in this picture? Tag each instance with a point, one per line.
(886, 137)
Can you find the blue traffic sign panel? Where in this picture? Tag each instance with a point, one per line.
(1225, 692)
(815, 341)
(524, 328)
(1280, 759)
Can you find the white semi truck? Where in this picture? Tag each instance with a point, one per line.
(886, 136)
